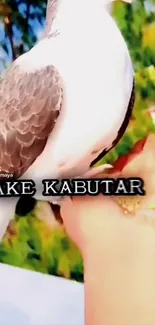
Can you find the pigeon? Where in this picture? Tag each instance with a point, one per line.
(65, 103)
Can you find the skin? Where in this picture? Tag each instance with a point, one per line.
(119, 261)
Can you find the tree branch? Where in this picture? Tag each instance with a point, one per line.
(9, 32)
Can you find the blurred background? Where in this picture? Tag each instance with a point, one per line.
(37, 240)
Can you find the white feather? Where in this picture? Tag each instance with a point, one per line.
(93, 60)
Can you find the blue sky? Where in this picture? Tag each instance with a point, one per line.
(38, 30)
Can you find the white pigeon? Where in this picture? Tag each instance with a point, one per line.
(66, 102)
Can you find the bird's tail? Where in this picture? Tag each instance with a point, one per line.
(7, 211)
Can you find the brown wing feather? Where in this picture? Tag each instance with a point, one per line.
(29, 107)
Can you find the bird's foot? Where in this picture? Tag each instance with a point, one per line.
(97, 170)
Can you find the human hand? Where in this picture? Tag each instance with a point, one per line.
(98, 225)
(118, 248)
(92, 221)
(119, 261)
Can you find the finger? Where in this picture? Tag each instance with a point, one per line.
(69, 216)
(67, 210)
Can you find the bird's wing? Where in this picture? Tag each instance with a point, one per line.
(30, 104)
(121, 130)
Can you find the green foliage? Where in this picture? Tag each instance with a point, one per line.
(18, 18)
(137, 23)
(30, 243)
(133, 21)
(34, 246)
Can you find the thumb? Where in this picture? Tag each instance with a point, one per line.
(69, 213)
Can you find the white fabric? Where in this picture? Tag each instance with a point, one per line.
(30, 298)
